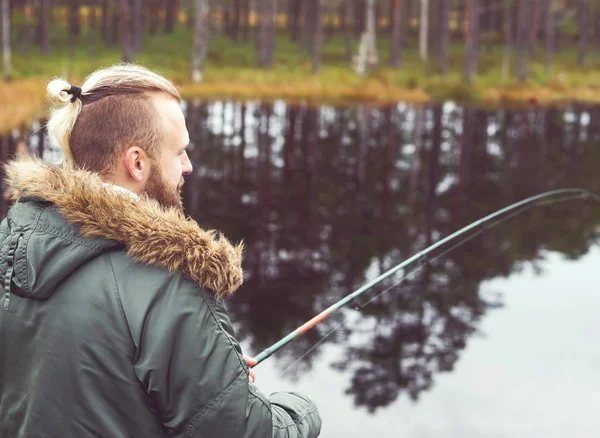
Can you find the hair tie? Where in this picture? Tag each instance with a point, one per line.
(75, 91)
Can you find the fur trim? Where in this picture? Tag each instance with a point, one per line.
(151, 234)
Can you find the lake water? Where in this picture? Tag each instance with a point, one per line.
(496, 338)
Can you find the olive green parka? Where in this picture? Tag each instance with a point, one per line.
(112, 323)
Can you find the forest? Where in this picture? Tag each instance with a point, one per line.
(487, 51)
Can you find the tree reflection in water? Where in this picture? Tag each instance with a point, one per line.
(327, 198)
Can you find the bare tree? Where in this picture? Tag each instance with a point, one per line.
(126, 26)
(294, 10)
(6, 39)
(153, 11)
(371, 34)
(246, 21)
(44, 18)
(92, 28)
(535, 23)
(266, 35)
(396, 44)
(471, 39)
(116, 22)
(104, 24)
(444, 36)
(550, 34)
(507, 39)
(347, 8)
(423, 29)
(201, 34)
(237, 16)
(522, 40)
(172, 8)
(73, 23)
(583, 30)
(138, 28)
(318, 36)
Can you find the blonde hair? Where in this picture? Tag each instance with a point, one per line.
(120, 97)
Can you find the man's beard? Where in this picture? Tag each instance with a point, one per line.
(159, 189)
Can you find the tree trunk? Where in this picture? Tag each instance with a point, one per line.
(201, 35)
(295, 9)
(73, 20)
(6, 58)
(522, 40)
(444, 36)
(348, 6)
(91, 31)
(535, 21)
(396, 43)
(93, 18)
(237, 14)
(226, 19)
(461, 16)
(138, 26)
(153, 12)
(271, 34)
(597, 23)
(433, 28)
(115, 22)
(550, 34)
(486, 24)
(342, 15)
(423, 25)
(309, 24)
(543, 17)
(246, 22)
(45, 16)
(583, 11)
(507, 40)
(28, 26)
(172, 8)
(409, 12)
(126, 25)
(318, 37)
(471, 39)
(73, 14)
(104, 25)
(359, 17)
(266, 46)
(372, 58)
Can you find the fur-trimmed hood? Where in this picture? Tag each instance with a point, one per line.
(150, 234)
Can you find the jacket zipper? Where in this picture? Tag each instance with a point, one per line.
(10, 259)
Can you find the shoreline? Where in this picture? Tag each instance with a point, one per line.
(23, 100)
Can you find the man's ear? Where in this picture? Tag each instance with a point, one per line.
(137, 163)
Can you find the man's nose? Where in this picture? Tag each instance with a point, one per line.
(187, 165)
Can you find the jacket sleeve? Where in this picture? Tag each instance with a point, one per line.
(191, 367)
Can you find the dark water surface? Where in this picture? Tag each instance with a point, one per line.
(498, 338)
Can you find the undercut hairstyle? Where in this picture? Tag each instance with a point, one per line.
(111, 112)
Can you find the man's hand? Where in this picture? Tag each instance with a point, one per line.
(250, 362)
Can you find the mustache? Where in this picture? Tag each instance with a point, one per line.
(181, 183)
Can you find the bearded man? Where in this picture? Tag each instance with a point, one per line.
(111, 319)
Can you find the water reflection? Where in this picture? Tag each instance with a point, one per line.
(327, 198)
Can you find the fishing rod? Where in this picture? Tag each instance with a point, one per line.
(526, 203)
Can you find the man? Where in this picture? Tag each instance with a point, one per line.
(111, 322)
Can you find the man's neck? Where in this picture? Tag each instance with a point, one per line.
(123, 190)
(118, 180)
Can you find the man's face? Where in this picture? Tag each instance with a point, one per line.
(166, 179)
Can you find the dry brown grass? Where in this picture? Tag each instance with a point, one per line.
(23, 101)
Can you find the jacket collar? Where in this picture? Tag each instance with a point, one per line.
(150, 233)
